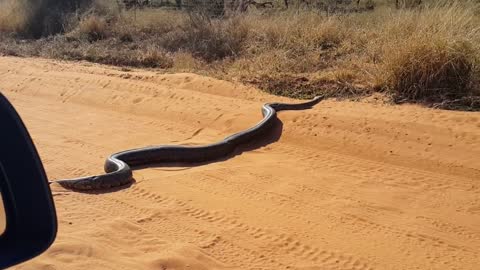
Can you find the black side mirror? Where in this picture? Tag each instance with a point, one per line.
(28, 223)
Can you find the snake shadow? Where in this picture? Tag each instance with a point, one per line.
(257, 142)
(264, 139)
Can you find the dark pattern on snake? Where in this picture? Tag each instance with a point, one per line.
(118, 167)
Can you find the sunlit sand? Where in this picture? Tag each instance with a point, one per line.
(345, 185)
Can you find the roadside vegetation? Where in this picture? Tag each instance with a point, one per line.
(422, 52)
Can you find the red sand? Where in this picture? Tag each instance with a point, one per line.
(348, 185)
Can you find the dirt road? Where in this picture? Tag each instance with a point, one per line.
(346, 185)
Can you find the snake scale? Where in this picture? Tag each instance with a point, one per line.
(118, 167)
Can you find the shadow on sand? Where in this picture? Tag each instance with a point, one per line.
(270, 137)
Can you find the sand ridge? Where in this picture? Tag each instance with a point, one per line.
(345, 185)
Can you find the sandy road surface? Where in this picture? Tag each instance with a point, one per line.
(342, 186)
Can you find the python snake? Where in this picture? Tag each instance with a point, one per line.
(118, 167)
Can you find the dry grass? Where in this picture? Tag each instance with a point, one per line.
(207, 39)
(430, 68)
(429, 54)
(13, 16)
(93, 28)
(37, 18)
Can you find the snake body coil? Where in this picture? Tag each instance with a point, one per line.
(118, 167)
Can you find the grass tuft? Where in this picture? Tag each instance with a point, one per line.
(431, 69)
(93, 28)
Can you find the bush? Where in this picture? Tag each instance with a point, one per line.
(431, 55)
(155, 57)
(37, 18)
(370, 5)
(208, 39)
(431, 69)
(210, 8)
(93, 28)
(13, 16)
